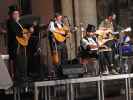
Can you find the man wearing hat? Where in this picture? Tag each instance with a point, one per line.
(89, 42)
(14, 28)
(89, 47)
(58, 49)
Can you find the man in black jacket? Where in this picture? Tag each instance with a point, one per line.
(15, 50)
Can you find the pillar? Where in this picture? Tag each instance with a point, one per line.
(88, 13)
(85, 13)
(67, 10)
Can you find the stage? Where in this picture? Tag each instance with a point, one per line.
(117, 87)
(80, 88)
(69, 83)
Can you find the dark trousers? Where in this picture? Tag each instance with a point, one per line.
(62, 54)
(20, 63)
(62, 51)
(60, 47)
(21, 69)
(105, 60)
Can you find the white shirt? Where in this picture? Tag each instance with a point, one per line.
(88, 41)
(127, 39)
(52, 27)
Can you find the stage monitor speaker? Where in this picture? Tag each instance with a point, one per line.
(5, 79)
(72, 70)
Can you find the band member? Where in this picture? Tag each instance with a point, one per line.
(33, 52)
(91, 49)
(88, 49)
(107, 26)
(14, 29)
(126, 37)
(57, 44)
(89, 42)
(108, 23)
(126, 46)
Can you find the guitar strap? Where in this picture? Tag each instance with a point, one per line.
(20, 25)
(18, 44)
(55, 24)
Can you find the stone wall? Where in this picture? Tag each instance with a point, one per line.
(43, 8)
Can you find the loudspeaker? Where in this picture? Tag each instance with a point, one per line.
(72, 70)
(5, 79)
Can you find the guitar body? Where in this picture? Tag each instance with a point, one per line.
(58, 36)
(23, 40)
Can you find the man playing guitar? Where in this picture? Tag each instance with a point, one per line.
(105, 37)
(15, 49)
(57, 36)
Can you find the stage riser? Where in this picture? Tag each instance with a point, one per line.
(89, 90)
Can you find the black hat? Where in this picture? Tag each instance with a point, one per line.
(57, 14)
(90, 28)
(12, 8)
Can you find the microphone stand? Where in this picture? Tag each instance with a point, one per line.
(70, 39)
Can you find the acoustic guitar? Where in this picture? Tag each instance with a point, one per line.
(61, 37)
(23, 40)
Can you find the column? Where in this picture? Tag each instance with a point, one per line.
(67, 10)
(85, 13)
(88, 14)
